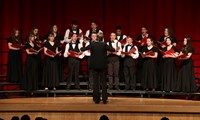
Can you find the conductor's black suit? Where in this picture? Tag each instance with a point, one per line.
(99, 66)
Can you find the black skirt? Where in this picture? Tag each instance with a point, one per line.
(186, 78)
(31, 73)
(50, 72)
(14, 70)
(149, 74)
(168, 75)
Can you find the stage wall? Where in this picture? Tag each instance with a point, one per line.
(182, 15)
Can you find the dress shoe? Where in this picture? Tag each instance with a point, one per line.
(105, 102)
(97, 102)
(117, 88)
(67, 88)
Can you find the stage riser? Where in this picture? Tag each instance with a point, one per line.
(95, 116)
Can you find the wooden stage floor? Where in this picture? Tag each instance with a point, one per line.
(85, 105)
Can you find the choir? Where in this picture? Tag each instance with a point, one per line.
(152, 63)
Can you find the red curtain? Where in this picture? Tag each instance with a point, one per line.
(182, 15)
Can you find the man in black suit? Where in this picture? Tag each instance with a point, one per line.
(98, 63)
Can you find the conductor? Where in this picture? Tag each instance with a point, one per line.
(98, 64)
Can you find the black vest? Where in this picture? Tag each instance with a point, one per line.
(91, 31)
(121, 37)
(76, 49)
(126, 49)
(77, 31)
(110, 44)
(112, 57)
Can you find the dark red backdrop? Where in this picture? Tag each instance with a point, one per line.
(182, 15)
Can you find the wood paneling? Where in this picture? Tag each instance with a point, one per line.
(95, 116)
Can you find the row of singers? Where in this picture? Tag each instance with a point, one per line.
(151, 74)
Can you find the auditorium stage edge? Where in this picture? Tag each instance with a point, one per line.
(85, 104)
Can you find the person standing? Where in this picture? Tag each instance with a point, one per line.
(168, 32)
(73, 61)
(38, 39)
(31, 66)
(94, 29)
(168, 70)
(50, 70)
(119, 34)
(130, 54)
(141, 39)
(58, 38)
(98, 64)
(73, 30)
(14, 70)
(186, 78)
(40, 43)
(113, 62)
(121, 37)
(149, 71)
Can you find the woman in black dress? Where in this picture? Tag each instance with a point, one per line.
(59, 40)
(31, 66)
(141, 40)
(186, 78)
(168, 32)
(14, 70)
(50, 70)
(149, 72)
(168, 71)
(39, 42)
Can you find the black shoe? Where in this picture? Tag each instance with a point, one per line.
(133, 88)
(126, 89)
(67, 88)
(117, 88)
(78, 87)
(97, 102)
(105, 102)
(110, 88)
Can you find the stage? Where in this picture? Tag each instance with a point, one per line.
(118, 108)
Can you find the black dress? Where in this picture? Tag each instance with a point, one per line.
(31, 70)
(60, 59)
(37, 40)
(168, 73)
(186, 78)
(149, 72)
(160, 59)
(14, 70)
(140, 60)
(50, 69)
